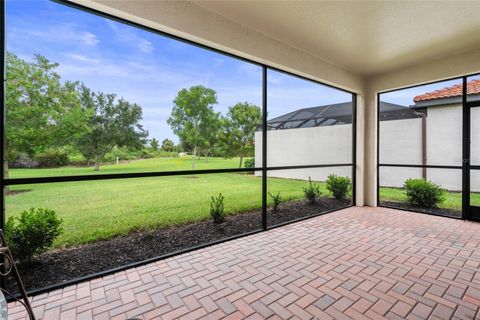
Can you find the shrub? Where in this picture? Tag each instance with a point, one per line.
(249, 163)
(120, 153)
(146, 154)
(52, 158)
(312, 191)
(423, 193)
(338, 186)
(216, 209)
(76, 159)
(22, 160)
(33, 232)
(277, 199)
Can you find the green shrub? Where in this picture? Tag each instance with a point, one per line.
(216, 209)
(249, 163)
(52, 158)
(312, 191)
(338, 186)
(277, 199)
(121, 154)
(146, 154)
(423, 193)
(161, 153)
(76, 159)
(33, 232)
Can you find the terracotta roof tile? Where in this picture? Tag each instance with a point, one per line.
(473, 87)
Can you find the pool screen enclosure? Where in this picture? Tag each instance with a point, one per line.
(321, 116)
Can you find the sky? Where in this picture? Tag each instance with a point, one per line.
(405, 97)
(146, 68)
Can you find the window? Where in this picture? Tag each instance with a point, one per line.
(420, 138)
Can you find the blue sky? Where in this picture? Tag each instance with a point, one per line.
(405, 97)
(146, 68)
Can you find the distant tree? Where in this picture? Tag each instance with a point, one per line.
(154, 144)
(192, 116)
(42, 112)
(168, 145)
(111, 123)
(210, 137)
(238, 130)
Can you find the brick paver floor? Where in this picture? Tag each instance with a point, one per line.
(358, 263)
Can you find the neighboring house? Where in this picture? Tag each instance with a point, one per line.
(427, 132)
(435, 140)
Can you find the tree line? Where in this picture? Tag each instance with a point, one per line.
(45, 113)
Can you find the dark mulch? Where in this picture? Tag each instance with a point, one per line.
(292, 210)
(59, 266)
(437, 211)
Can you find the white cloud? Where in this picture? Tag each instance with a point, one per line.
(58, 33)
(89, 38)
(77, 66)
(145, 46)
(127, 36)
(82, 58)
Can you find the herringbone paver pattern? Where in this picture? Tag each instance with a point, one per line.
(358, 263)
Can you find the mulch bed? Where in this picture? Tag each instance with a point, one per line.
(437, 211)
(59, 266)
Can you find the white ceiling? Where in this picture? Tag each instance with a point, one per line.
(364, 37)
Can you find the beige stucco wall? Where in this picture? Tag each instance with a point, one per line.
(440, 69)
(307, 146)
(400, 143)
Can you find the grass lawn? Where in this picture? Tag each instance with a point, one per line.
(93, 210)
(145, 165)
(453, 200)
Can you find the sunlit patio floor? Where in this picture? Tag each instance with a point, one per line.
(358, 263)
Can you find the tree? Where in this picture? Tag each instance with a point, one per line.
(192, 116)
(210, 140)
(111, 123)
(238, 134)
(42, 112)
(168, 145)
(154, 144)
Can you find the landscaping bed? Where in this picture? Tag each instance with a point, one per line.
(437, 211)
(58, 266)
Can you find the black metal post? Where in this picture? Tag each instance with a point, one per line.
(465, 153)
(378, 148)
(264, 148)
(3, 96)
(354, 149)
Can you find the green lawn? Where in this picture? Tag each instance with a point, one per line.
(146, 165)
(453, 200)
(93, 210)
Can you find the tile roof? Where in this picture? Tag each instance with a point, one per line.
(473, 87)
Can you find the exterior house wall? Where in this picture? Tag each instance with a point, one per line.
(400, 143)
